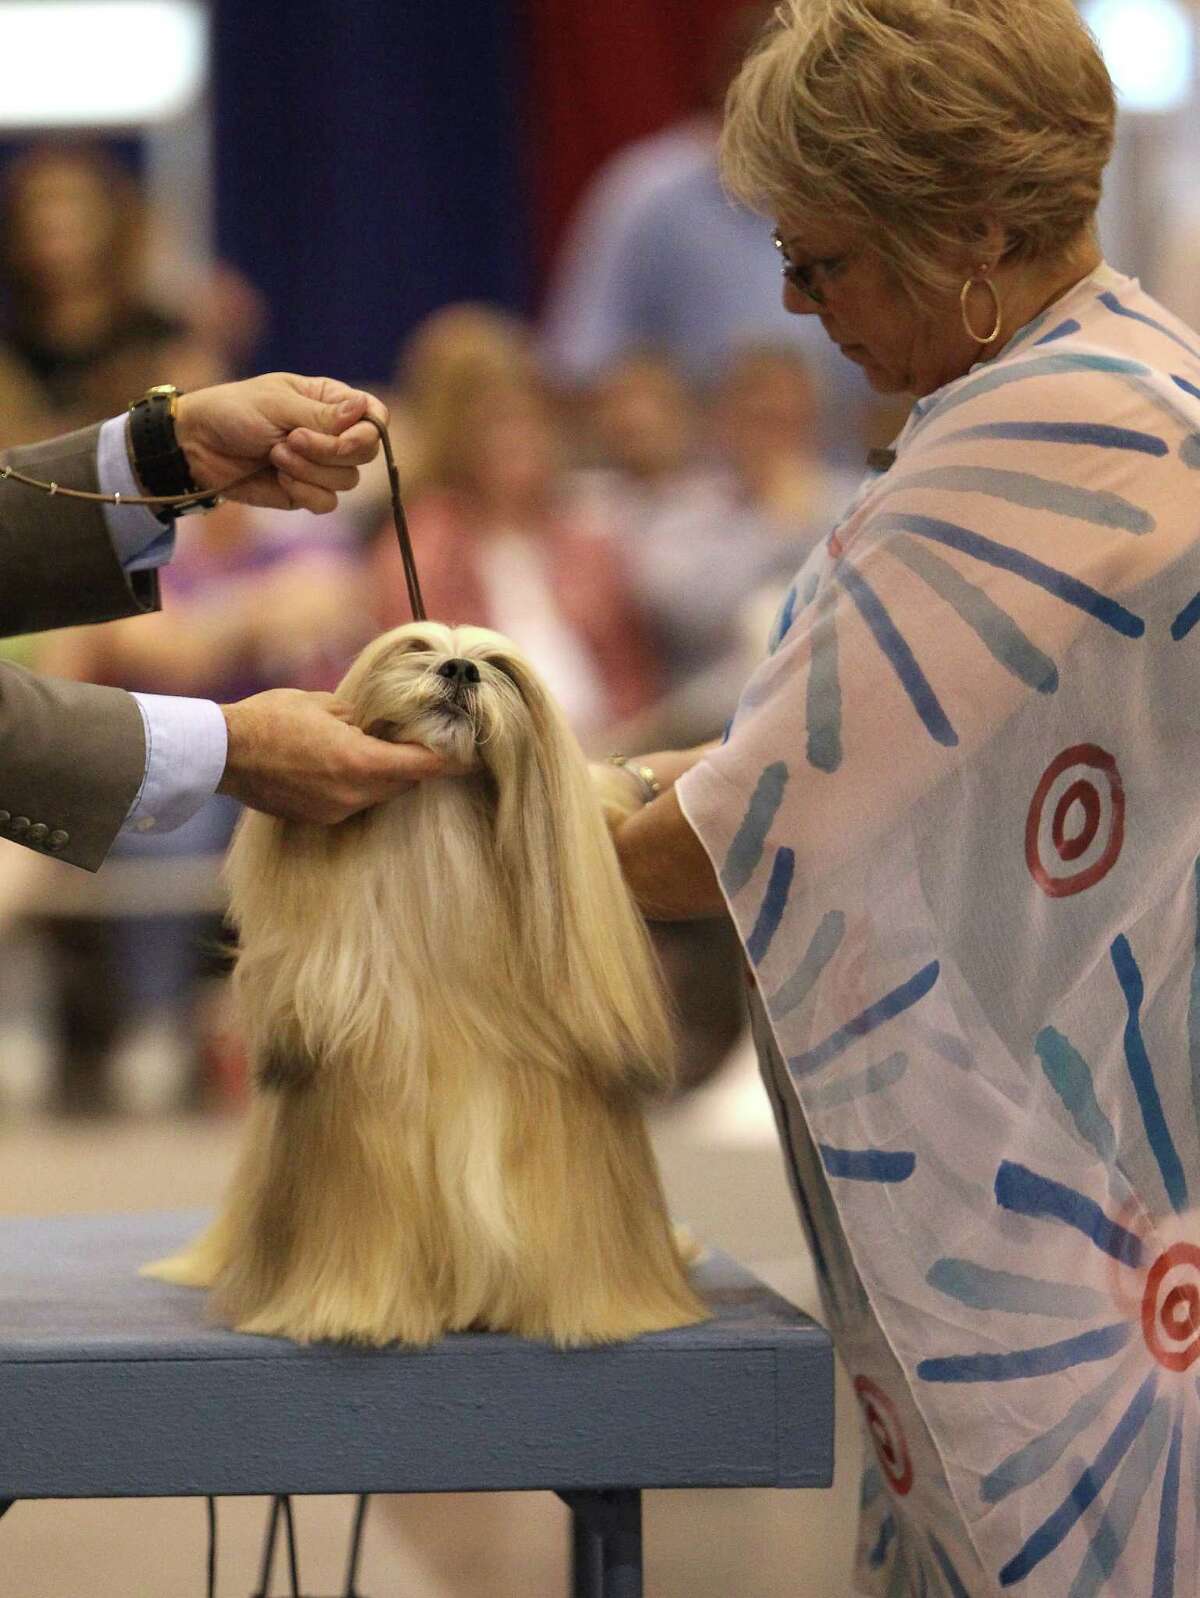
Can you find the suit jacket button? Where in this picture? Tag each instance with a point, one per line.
(18, 825)
(38, 833)
(58, 839)
(5, 817)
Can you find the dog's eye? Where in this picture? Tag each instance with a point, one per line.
(504, 667)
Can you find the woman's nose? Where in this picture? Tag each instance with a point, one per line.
(797, 301)
(459, 671)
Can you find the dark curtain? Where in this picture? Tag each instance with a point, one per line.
(604, 74)
(368, 169)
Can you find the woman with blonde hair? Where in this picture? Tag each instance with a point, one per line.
(954, 816)
(496, 541)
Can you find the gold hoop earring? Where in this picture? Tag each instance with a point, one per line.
(984, 282)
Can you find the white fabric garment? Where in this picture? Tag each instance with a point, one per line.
(957, 821)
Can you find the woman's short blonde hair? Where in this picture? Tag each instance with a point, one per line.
(919, 121)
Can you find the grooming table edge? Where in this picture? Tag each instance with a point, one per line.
(112, 1385)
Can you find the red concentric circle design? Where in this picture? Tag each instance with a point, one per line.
(1077, 818)
(1171, 1307)
(887, 1434)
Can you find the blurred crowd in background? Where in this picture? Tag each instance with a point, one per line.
(624, 486)
(628, 511)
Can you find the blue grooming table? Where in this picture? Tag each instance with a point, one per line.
(114, 1386)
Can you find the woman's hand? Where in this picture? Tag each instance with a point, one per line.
(662, 860)
(618, 790)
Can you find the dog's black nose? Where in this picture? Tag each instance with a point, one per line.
(459, 671)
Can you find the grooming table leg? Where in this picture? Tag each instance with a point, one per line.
(606, 1543)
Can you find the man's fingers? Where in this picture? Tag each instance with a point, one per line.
(355, 446)
(307, 496)
(339, 478)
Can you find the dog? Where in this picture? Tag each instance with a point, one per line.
(454, 1022)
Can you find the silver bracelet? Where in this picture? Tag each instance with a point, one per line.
(642, 775)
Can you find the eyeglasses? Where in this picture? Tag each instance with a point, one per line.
(804, 277)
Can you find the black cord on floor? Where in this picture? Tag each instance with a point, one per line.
(360, 1515)
(212, 1547)
(268, 1555)
(293, 1563)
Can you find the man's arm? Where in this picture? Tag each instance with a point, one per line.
(74, 758)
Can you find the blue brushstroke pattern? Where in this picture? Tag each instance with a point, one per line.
(773, 906)
(872, 1486)
(783, 622)
(823, 693)
(1025, 1193)
(946, 1565)
(1168, 1521)
(982, 1288)
(996, 628)
(859, 1086)
(1141, 1073)
(1097, 506)
(1053, 365)
(1094, 434)
(876, 1015)
(1110, 300)
(1188, 388)
(1125, 1501)
(868, 1165)
(887, 1532)
(826, 941)
(903, 662)
(1069, 589)
(1071, 1078)
(746, 850)
(1186, 619)
(1052, 1531)
(1063, 330)
(1022, 1363)
(1189, 451)
(1030, 1462)
(952, 1049)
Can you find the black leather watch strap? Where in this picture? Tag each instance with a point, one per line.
(158, 460)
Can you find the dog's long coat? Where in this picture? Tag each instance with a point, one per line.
(454, 1021)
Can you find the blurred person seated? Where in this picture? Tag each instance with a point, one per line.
(719, 553)
(80, 331)
(468, 334)
(253, 599)
(639, 436)
(658, 255)
(498, 541)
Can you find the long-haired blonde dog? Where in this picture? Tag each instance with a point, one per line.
(454, 1021)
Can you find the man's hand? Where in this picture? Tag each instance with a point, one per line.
(306, 436)
(296, 755)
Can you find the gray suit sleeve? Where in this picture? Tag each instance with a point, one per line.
(72, 755)
(57, 559)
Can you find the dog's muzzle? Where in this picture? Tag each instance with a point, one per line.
(459, 676)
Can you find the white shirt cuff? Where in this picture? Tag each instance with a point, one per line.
(139, 538)
(186, 748)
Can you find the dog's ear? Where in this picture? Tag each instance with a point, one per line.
(389, 731)
(577, 925)
(286, 1066)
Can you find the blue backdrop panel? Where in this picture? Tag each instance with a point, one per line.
(368, 169)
